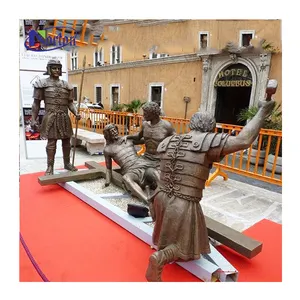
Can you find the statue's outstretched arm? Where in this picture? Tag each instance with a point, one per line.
(136, 137)
(250, 132)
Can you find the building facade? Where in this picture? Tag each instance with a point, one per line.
(220, 66)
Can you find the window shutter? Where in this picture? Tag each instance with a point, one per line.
(118, 54)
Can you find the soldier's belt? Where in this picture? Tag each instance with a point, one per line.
(172, 193)
(185, 168)
(183, 179)
(56, 101)
(56, 108)
(186, 191)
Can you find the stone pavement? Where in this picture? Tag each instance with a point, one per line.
(233, 203)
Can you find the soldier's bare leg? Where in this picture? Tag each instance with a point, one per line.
(130, 181)
(50, 150)
(157, 261)
(66, 147)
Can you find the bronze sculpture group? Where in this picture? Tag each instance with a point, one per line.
(176, 165)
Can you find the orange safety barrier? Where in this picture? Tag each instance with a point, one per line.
(254, 162)
(262, 160)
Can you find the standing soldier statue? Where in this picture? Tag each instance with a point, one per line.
(180, 232)
(56, 125)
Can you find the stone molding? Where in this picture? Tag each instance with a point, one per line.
(142, 63)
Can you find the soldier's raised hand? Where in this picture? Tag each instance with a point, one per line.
(271, 89)
(269, 104)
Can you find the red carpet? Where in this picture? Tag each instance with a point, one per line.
(72, 242)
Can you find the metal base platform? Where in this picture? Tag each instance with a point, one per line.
(209, 268)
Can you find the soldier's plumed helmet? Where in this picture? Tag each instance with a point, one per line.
(53, 62)
(203, 122)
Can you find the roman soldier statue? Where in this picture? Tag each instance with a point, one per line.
(180, 232)
(56, 124)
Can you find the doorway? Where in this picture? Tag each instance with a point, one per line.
(233, 85)
(230, 101)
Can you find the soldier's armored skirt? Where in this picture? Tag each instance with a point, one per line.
(185, 167)
(56, 122)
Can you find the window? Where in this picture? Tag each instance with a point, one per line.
(74, 59)
(156, 91)
(99, 58)
(115, 54)
(245, 37)
(156, 94)
(203, 39)
(98, 93)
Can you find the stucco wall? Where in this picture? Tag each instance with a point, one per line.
(179, 80)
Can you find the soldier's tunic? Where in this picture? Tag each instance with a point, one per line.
(57, 94)
(185, 166)
(125, 155)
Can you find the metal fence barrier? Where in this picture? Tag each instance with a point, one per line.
(262, 161)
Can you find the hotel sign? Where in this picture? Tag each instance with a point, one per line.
(236, 75)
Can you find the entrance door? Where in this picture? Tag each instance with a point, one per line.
(234, 85)
(230, 101)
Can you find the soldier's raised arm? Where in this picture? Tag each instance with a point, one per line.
(250, 132)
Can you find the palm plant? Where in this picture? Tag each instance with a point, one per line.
(274, 121)
(134, 106)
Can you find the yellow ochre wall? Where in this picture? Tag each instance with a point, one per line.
(175, 38)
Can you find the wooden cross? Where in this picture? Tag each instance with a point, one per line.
(227, 236)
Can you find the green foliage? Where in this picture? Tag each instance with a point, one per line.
(247, 113)
(274, 121)
(118, 107)
(134, 106)
(269, 47)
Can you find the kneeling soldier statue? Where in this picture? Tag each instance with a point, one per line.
(180, 232)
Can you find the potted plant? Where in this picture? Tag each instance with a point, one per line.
(133, 107)
(274, 121)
